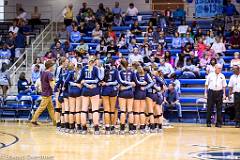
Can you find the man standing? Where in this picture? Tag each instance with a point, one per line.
(215, 92)
(47, 84)
(68, 15)
(234, 88)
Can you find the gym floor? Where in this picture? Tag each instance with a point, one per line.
(179, 142)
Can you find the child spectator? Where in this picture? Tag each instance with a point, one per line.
(176, 41)
(97, 33)
(235, 60)
(75, 35)
(82, 48)
(23, 84)
(35, 74)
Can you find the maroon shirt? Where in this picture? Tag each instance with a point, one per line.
(46, 78)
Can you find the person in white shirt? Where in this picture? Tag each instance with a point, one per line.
(215, 92)
(218, 46)
(132, 10)
(14, 28)
(234, 88)
(97, 33)
(22, 14)
(182, 29)
(135, 56)
(235, 60)
(166, 68)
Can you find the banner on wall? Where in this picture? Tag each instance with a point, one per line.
(208, 8)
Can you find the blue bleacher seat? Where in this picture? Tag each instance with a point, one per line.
(191, 81)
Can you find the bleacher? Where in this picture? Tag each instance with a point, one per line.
(191, 90)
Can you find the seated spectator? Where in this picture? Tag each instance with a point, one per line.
(176, 41)
(135, 29)
(219, 58)
(204, 61)
(111, 33)
(5, 54)
(49, 56)
(171, 100)
(176, 82)
(70, 27)
(19, 45)
(180, 61)
(156, 34)
(109, 16)
(58, 50)
(5, 81)
(97, 33)
(90, 20)
(25, 29)
(171, 28)
(122, 43)
(133, 45)
(217, 22)
(117, 20)
(160, 51)
(218, 46)
(62, 34)
(112, 49)
(210, 52)
(82, 28)
(166, 68)
(101, 48)
(135, 56)
(82, 48)
(235, 60)
(188, 48)
(179, 14)
(116, 10)
(35, 74)
(146, 47)
(22, 14)
(75, 35)
(168, 58)
(201, 45)
(14, 28)
(187, 39)
(100, 11)
(160, 20)
(131, 10)
(35, 17)
(209, 39)
(211, 67)
(190, 30)
(162, 40)
(182, 29)
(189, 71)
(235, 40)
(82, 12)
(38, 62)
(23, 84)
(11, 45)
(229, 9)
(198, 34)
(194, 58)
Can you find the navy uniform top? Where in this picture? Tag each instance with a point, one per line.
(61, 78)
(91, 77)
(143, 82)
(112, 79)
(125, 77)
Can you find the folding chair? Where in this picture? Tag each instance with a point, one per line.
(25, 103)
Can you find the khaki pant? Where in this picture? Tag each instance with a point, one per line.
(45, 103)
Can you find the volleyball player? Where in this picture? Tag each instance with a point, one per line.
(89, 78)
(109, 96)
(126, 81)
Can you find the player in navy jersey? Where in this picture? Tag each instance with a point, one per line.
(143, 82)
(126, 81)
(160, 86)
(58, 109)
(89, 78)
(74, 93)
(109, 96)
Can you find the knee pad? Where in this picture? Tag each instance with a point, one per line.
(111, 113)
(150, 114)
(157, 116)
(131, 112)
(146, 114)
(84, 112)
(97, 111)
(142, 113)
(78, 112)
(135, 113)
(161, 115)
(90, 111)
(58, 110)
(123, 112)
(66, 112)
(73, 113)
(106, 112)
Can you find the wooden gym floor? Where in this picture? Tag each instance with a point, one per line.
(180, 142)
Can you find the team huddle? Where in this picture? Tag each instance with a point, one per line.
(133, 92)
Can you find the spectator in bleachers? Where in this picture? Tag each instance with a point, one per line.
(35, 17)
(5, 54)
(58, 50)
(190, 30)
(209, 39)
(156, 34)
(68, 15)
(176, 82)
(168, 58)
(133, 45)
(176, 41)
(236, 26)
(82, 28)
(49, 56)
(69, 28)
(187, 39)
(188, 48)
(23, 84)
(171, 28)
(135, 56)
(235, 40)
(82, 48)
(180, 61)
(19, 45)
(166, 68)
(112, 49)
(82, 12)
(38, 61)
(116, 10)
(117, 20)
(161, 20)
(149, 30)
(171, 100)
(22, 14)
(111, 34)
(235, 60)
(109, 16)
(194, 58)
(229, 9)
(218, 21)
(35, 74)
(211, 67)
(210, 52)
(11, 45)
(5, 81)
(103, 24)
(198, 34)
(26, 30)
(101, 48)
(97, 33)
(67, 47)
(100, 11)
(75, 35)
(131, 10)
(135, 29)
(201, 46)
(122, 42)
(204, 61)
(189, 71)
(90, 20)
(14, 28)
(218, 46)
(62, 34)
(146, 47)
(179, 14)
(182, 29)
(220, 59)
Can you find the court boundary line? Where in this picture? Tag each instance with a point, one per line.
(131, 147)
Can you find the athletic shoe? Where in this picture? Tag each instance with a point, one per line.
(142, 131)
(66, 130)
(112, 132)
(96, 132)
(107, 132)
(35, 123)
(159, 130)
(121, 132)
(84, 132)
(131, 132)
(71, 131)
(153, 130)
